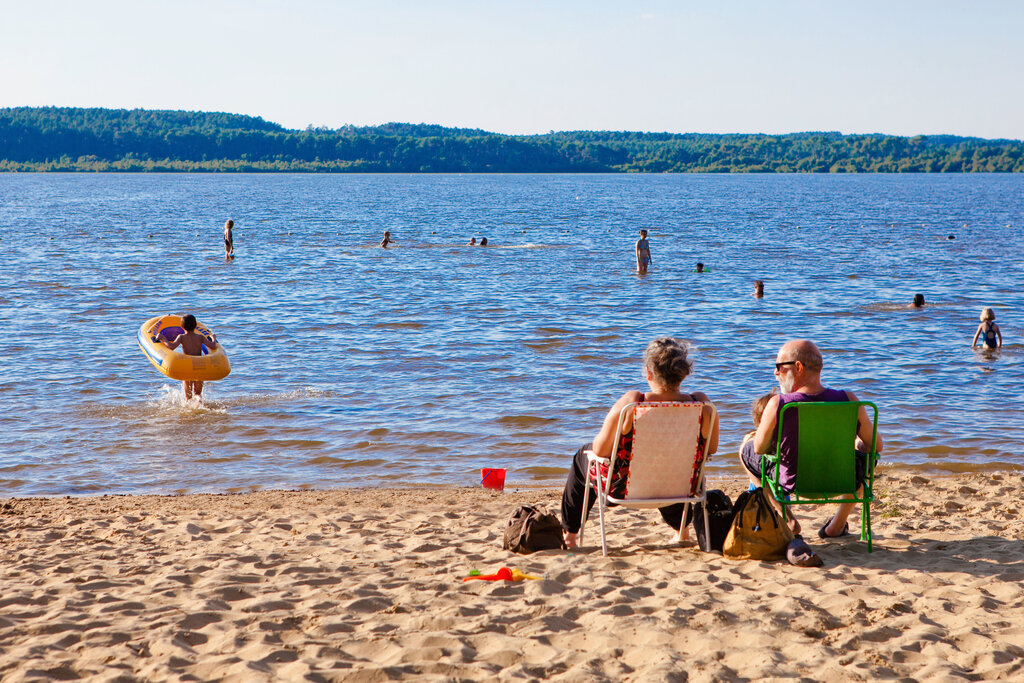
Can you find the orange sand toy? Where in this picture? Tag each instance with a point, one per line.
(503, 574)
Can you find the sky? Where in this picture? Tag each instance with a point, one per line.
(900, 67)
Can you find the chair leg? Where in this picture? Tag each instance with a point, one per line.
(682, 524)
(583, 511)
(865, 523)
(707, 526)
(600, 509)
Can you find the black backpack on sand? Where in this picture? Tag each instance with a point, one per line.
(719, 511)
(532, 528)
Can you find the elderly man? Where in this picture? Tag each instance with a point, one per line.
(798, 368)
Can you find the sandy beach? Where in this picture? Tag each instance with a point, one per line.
(366, 585)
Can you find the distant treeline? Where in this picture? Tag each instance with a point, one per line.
(73, 139)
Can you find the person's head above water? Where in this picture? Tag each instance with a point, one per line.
(987, 314)
(188, 321)
(700, 267)
(667, 362)
(918, 300)
(483, 241)
(758, 288)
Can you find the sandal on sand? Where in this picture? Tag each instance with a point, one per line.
(822, 534)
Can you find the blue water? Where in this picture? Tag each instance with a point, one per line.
(353, 365)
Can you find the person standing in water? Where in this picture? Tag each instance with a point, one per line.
(643, 253)
(988, 331)
(229, 241)
(191, 344)
(758, 289)
(387, 240)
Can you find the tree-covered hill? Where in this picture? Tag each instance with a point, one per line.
(76, 139)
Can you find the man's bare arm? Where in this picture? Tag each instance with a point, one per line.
(865, 428)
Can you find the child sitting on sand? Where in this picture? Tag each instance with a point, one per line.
(191, 344)
(756, 411)
(988, 331)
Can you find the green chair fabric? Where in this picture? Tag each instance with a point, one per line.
(826, 458)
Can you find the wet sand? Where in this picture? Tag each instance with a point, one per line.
(367, 585)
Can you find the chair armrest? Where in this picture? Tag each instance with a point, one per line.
(592, 460)
(770, 473)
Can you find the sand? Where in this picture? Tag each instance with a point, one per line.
(367, 586)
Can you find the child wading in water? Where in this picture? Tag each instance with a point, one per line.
(387, 240)
(988, 331)
(643, 253)
(192, 344)
(229, 241)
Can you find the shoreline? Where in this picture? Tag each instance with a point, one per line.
(732, 472)
(366, 585)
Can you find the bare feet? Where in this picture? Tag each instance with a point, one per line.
(570, 539)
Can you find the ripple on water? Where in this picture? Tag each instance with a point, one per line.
(525, 420)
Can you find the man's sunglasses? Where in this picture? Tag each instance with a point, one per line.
(778, 366)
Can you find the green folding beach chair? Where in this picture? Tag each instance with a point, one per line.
(826, 461)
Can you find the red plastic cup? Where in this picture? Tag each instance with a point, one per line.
(492, 478)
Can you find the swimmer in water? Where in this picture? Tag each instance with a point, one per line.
(229, 241)
(700, 267)
(758, 289)
(387, 240)
(643, 253)
(483, 241)
(918, 301)
(988, 332)
(471, 242)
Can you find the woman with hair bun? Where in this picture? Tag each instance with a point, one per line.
(666, 365)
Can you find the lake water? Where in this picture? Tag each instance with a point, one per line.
(355, 366)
